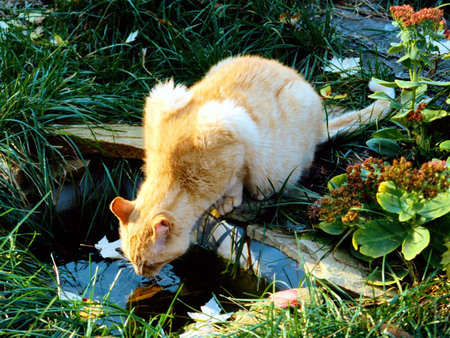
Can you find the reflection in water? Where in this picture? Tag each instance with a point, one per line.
(199, 273)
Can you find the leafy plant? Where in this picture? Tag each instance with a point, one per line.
(385, 207)
(420, 33)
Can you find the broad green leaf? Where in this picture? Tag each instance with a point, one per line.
(407, 84)
(390, 188)
(446, 57)
(436, 206)
(389, 279)
(404, 58)
(389, 133)
(406, 94)
(413, 52)
(390, 202)
(336, 228)
(445, 261)
(380, 96)
(435, 83)
(383, 146)
(396, 105)
(378, 238)
(405, 36)
(401, 114)
(395, 49)
(426, 60)
(411, 206)
(359, 255)
(439, 234)
(445, 145)
(385, 83)
(337, 181)
(416, 240)
(433, 114)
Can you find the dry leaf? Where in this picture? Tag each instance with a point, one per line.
(327, 93)
(132, 37)
(91, 310)
(58, 41)
(32, 17)
(285, 298)
(344, 67)
(290, 19)
(37, 33)
(109, 250)
(210, 314)
(395, 331)
(144, 293)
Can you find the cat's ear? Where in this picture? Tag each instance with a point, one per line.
(161, 231)
(122, 208)
(224, 118)
(166, 98)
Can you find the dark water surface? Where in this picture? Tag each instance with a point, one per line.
(199, 273)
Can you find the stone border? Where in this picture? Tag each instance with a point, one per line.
(284, 259)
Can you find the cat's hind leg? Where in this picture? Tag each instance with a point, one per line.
(232, 198)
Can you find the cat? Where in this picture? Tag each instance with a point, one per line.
(249, 123)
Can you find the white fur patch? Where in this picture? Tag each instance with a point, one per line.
(171, 96)
(227, 115)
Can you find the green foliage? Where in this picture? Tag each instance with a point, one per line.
(387, 207)
(419, 32)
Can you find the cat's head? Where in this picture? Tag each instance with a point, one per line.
(147, 241)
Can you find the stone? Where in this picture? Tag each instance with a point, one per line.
(284, 259)
(115, 140)
(335, 267)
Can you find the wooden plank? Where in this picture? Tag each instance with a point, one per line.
(115, 140)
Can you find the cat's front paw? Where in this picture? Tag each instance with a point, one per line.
(258, 194)
(227, 203)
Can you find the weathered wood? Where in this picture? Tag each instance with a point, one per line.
(115, 140)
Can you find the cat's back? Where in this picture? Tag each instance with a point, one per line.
(246, 75)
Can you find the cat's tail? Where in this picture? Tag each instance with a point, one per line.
(351, 121)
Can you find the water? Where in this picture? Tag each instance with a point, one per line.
(199, 273)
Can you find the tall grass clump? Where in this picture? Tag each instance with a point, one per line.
(33, 305)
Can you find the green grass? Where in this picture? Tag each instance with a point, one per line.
(418, 311)
(96, 76)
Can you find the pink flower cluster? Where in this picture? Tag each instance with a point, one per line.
(406, 16)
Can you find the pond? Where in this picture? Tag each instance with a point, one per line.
(199, 273)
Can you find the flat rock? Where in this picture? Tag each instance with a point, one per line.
(114, 140)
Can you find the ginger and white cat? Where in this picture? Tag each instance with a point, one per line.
(249, 123)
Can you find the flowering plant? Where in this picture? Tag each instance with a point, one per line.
(385, 206)
(419, 33)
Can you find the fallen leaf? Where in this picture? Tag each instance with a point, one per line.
(210, 314)
(35, 18)
(327, 93)
(144, 293)
(132, 37)
(344, 67)
(290, 19)
(395, 331)
(58, 41)
(37, 33)
(91, 310)
(285, 298)
(109, 250)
